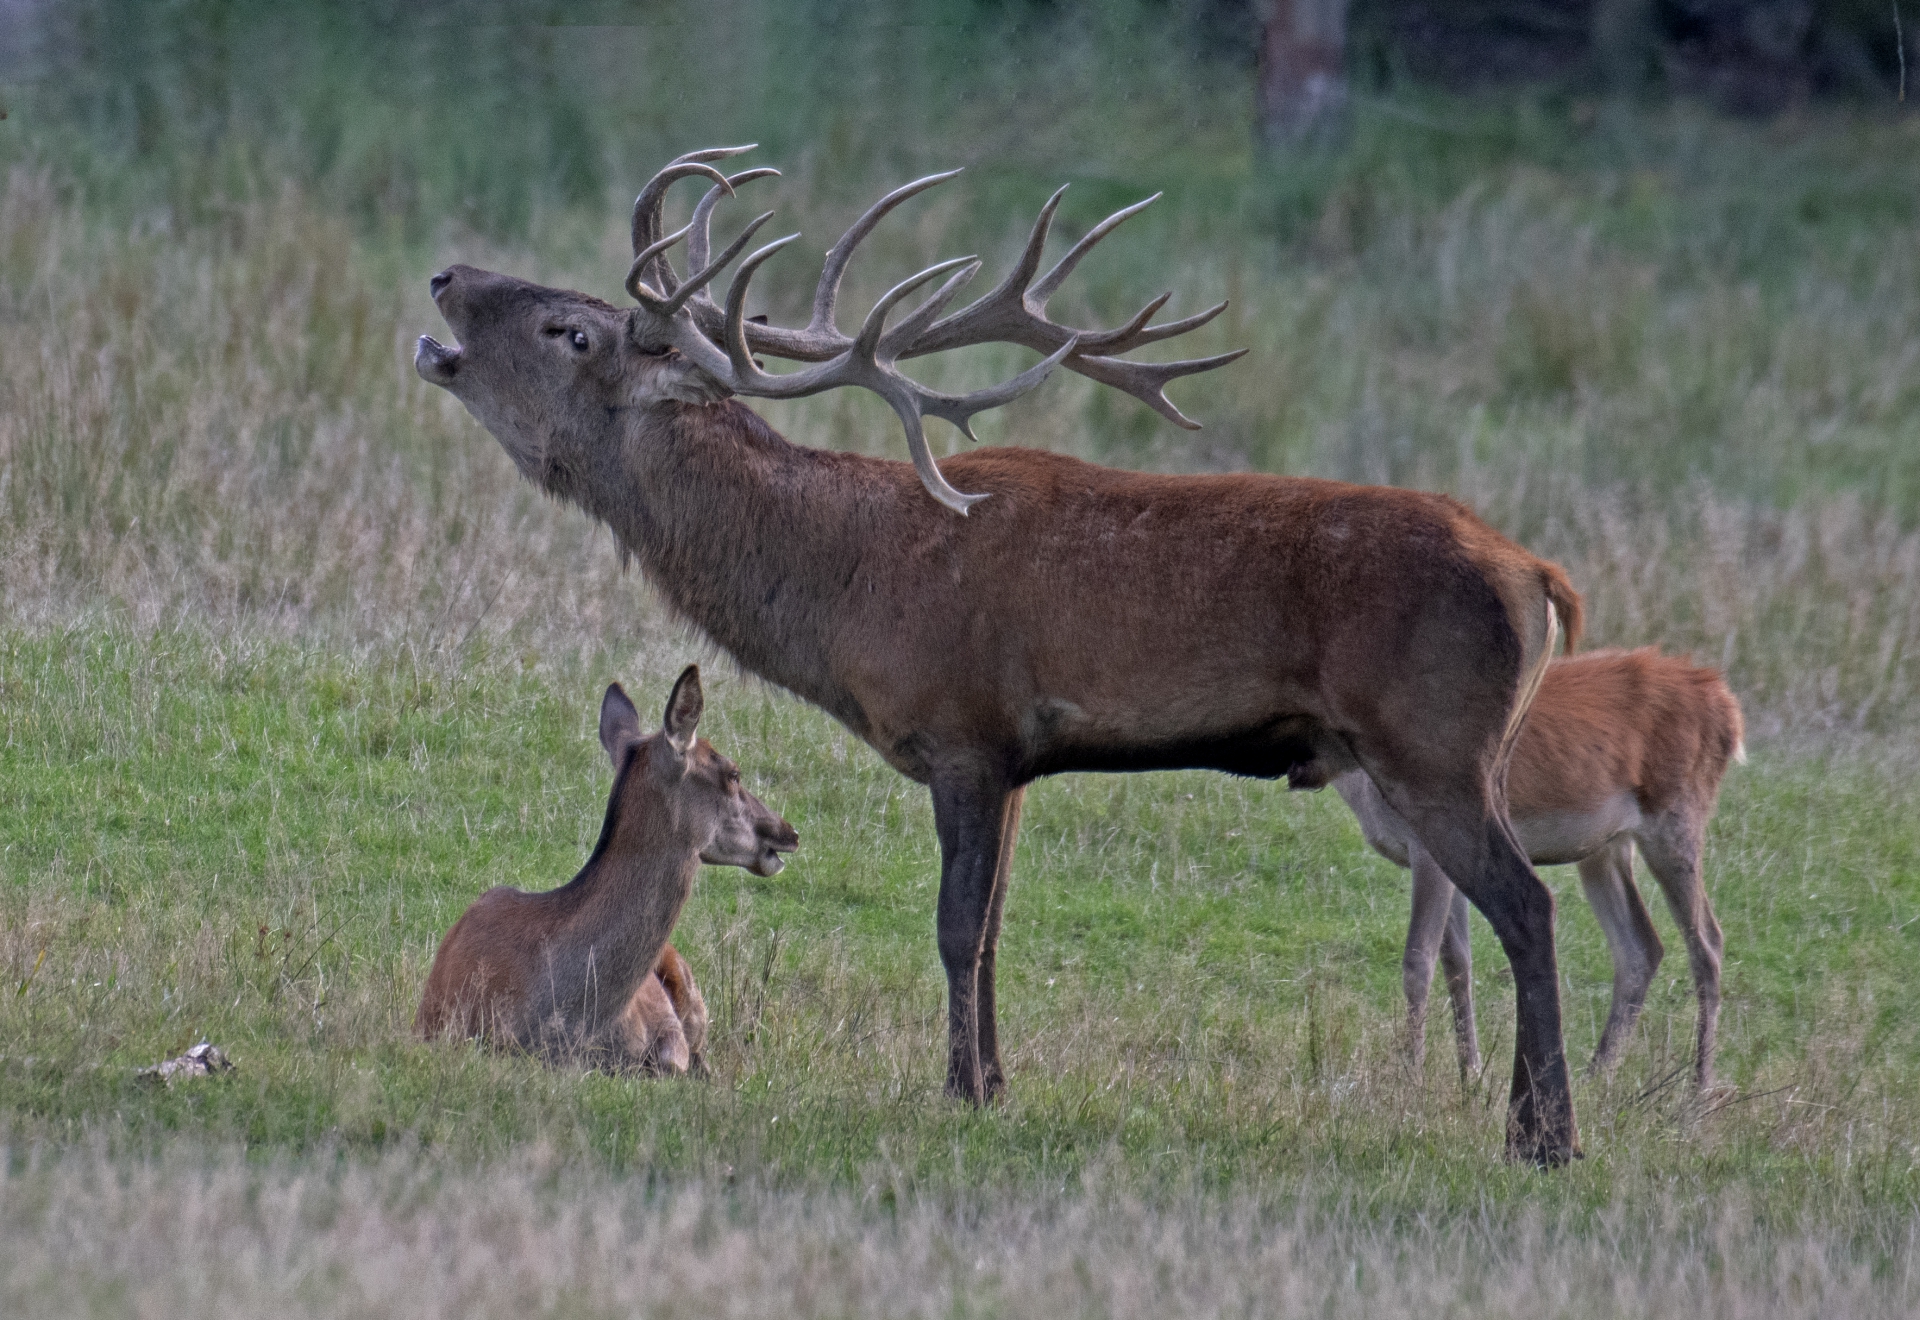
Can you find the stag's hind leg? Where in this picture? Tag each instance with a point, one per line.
(1672, 846)
(1607, 878)
(1458, 825)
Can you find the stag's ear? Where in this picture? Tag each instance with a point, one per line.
(619, 722)
(683, 710)
(658, 373)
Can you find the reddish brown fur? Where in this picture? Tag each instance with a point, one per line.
(1619, 748)
(586, 969)
(1080, 618)
(1655, 724)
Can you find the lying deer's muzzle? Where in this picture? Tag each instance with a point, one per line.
(436, 363)
(770, 862)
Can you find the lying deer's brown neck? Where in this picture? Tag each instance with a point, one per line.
(750, 537)
(611, 921)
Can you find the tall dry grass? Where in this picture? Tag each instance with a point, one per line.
(209, 1232)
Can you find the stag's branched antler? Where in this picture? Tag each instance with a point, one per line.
(722, 342)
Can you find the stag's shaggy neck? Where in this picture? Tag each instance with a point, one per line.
(748, 536)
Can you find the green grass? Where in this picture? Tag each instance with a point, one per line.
(260, 844)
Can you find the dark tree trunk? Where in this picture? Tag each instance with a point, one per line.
(1302, 91)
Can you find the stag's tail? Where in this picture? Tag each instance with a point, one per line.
(1566, 601)
(1564, 611)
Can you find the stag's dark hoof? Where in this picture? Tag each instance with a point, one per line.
(975, 1096)
(1544, 1153)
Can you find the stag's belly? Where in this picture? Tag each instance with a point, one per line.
(1061, 738)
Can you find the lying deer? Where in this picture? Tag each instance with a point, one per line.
(1619, 748)
(1043, 615)
(585, 970)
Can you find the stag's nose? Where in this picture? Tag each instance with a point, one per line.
(439, 282)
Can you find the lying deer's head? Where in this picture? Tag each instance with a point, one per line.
(699, 789)
(544, 369)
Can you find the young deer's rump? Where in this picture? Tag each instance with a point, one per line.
(585, 970)
(1620, 748)
(1061, 616)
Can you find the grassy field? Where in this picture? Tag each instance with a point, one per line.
(293, 665)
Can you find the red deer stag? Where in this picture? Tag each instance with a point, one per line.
(1076, 618)
(1618, 748)
(585, 970)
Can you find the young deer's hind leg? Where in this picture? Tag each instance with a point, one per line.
(1672, 846)
(1438, 926)
(1607, 878)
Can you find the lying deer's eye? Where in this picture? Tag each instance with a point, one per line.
(579, 341)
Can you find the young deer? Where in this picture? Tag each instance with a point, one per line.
(1619, 748)
(585, 969)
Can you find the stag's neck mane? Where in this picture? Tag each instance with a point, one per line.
(749, 537)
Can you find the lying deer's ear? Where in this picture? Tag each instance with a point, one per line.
(619, 722)
(683, 710)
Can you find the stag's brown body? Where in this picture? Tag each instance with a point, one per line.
(1619, 748)
(585, 971)
(1075, 618)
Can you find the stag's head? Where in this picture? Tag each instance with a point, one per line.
(546, 369)
(676, 775)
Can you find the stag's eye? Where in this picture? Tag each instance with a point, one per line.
(579, 341)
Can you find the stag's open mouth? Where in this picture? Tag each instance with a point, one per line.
(436, 363)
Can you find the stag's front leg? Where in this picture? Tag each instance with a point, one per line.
(970, 813)
(993, 1075)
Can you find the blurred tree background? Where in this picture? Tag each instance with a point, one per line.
(482, 112)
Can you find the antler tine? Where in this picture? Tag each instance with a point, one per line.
(735, 338)
(994, 315)
(698, 242)
(960, 409)
(1050, 282)
(924, 315)
(1145, 380)
(637, 289)
(722, 343)
(827, 292)
(1132, 335)
(1103, 341)
(859, 364)
(866, 344)
(907, 400)
(646, 207)
(698, 279)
